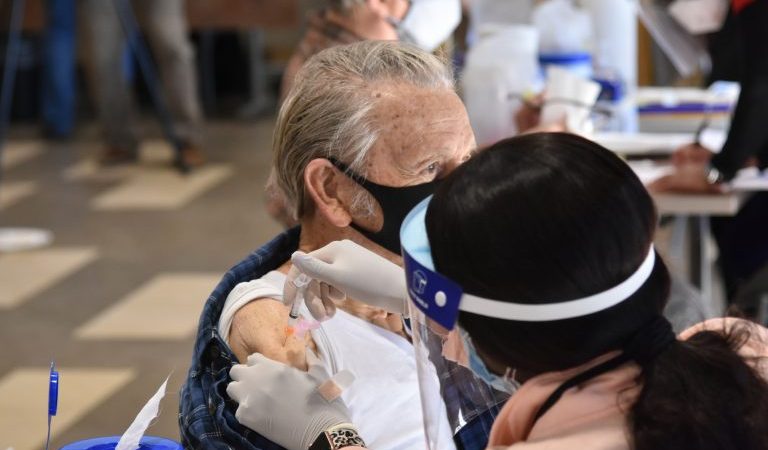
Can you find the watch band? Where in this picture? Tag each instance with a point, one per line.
(338, 437)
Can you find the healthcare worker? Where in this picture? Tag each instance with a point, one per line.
(534, 265)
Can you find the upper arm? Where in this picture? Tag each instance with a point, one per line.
(259, 327)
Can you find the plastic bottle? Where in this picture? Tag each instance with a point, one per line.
(615, 53)
(565, 32)
(500, 70)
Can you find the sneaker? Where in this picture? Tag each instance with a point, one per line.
(112, 156)
(192, 156)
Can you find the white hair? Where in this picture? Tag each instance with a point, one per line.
(327, 113)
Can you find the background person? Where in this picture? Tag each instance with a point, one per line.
(104, 45)
(742, 240)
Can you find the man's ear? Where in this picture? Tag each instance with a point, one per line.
(330, 190)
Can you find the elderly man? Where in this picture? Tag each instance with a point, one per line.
(367, 131)
(425, 23)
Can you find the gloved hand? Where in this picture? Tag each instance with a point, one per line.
(346, 268)
(285, 404)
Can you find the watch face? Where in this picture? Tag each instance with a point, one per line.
(337, 438)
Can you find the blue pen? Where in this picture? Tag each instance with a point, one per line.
(53, 399)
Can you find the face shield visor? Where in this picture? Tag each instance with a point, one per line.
(454, 400)
(460, 397)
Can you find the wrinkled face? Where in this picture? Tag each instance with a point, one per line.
(424, 135)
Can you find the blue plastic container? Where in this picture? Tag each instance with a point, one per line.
(110, 442)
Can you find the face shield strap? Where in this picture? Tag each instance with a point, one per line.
(544, 312)
(440, 298)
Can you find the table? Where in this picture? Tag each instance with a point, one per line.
(692, 219)
(691, 212)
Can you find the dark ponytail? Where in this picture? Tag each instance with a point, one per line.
(701, 394)
(552, 217)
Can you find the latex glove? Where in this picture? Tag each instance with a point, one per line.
(284, 404)
(350, 270)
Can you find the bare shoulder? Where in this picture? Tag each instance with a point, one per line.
(259, 327)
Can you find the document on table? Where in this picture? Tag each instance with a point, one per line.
(750, 179)
(657, 143)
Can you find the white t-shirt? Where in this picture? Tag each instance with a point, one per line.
(384, 398)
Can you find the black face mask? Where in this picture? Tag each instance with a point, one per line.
(395, 203)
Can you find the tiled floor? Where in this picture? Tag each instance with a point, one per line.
(86, 388)
(116, 298)
(14, 192)
(24, 275)
(167, 307)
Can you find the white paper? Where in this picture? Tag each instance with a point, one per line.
(643, 143)
(633, 144)
(132, 436)
(648, 171)
(747, 180)
(750, 179)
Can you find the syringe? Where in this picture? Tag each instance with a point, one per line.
(301, 282)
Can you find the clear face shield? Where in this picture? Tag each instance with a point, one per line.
(458, 405)
(460, 396)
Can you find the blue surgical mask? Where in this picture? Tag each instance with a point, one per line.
(478, 367)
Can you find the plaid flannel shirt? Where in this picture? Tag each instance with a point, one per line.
(206, 413)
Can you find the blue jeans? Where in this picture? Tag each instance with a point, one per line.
(58, 80)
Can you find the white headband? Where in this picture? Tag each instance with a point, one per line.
(562, 310)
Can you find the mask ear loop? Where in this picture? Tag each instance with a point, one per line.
(511, 375)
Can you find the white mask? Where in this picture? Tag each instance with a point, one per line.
(700, 16)
(428, 23)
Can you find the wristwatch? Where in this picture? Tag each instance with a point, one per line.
(714, 176)
(338, 437)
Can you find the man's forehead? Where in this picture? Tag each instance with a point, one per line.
(415, 108)
(404, 97)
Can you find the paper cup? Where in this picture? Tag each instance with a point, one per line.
(569, 98)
